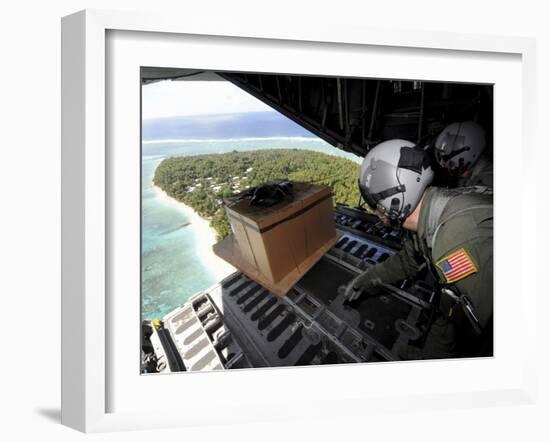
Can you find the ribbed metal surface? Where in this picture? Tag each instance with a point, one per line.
(310, 325)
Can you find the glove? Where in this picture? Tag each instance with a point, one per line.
(368, 282)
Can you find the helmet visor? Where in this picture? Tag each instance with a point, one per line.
(450, 146)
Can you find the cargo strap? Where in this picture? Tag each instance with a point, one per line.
(249, 245)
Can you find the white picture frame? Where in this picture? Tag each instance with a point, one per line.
(89, 172)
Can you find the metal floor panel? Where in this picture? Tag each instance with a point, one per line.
(313, 323)
(323, 280)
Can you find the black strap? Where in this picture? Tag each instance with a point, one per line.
(448, 156)
(388, 192)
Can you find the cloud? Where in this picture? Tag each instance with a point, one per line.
(185, 98)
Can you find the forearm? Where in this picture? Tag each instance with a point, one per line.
(404, 264)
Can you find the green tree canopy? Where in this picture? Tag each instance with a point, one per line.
(202, 181)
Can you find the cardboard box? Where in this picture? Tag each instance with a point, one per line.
(278, 240)
(229, 250)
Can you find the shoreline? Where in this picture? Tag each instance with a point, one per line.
(206, 236)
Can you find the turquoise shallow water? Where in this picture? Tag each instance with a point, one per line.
(171, 272)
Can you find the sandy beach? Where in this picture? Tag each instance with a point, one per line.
(205, 234)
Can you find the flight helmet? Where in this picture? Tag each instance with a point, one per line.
(459, 146)
(393, 177)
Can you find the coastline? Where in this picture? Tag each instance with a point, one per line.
(207, 235)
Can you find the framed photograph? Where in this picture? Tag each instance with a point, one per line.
(290, 222)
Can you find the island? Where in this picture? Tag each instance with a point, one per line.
(201, 181)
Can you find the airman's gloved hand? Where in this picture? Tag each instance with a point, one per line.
(368, 282)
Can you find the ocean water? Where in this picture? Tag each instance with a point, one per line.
(171, 268)
(155, 149)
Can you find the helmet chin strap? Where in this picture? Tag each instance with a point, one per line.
(395, 215)
(450, 156)
(396, 222)
(395, 208)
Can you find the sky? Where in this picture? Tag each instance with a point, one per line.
(184, 98)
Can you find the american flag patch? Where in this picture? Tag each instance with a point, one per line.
(456, 266)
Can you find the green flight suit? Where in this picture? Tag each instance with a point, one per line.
(481, 174)
(454, 224)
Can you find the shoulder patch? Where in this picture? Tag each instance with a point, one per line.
(456, 266)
